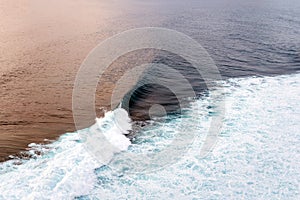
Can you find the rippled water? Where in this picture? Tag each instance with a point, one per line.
(243, 38)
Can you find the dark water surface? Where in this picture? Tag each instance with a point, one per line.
(244, 38)
(257, 38)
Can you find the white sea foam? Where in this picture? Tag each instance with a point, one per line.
(256, 156)
(65, 167)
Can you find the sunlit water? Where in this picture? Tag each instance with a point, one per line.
(256, 155)
(257, 152)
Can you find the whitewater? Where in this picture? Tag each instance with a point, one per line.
(256, 155)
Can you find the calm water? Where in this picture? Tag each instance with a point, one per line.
(244, 38)
(256, 46)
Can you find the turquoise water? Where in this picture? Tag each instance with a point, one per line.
(256, 155)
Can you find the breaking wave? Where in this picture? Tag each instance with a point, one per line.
(256, 156)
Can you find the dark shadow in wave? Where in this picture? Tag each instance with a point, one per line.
(144, 95)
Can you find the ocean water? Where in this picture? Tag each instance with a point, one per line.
(256, 155)
(255, 45)
(243, 37)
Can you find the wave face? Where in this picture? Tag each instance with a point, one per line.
(169, 81)
(256, 156)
